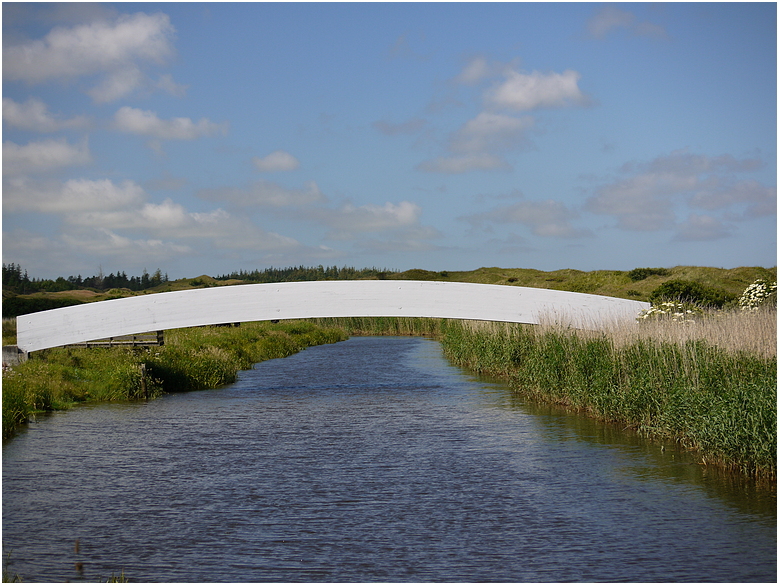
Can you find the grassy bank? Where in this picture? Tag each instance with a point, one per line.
(691, 383)
(191, 359)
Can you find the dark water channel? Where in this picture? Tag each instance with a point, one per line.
(367, 460)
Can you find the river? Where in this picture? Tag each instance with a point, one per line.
(372, 459)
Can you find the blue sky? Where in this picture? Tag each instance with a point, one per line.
(204, 138)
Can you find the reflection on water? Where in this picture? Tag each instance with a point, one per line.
(368, 460)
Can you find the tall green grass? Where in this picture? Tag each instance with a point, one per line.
(715, 400)
(419, 326)
(191, 359)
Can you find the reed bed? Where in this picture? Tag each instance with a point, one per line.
(191, 359)
(415, 326)
(710, 386)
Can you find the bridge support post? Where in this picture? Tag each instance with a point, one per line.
(13, 356)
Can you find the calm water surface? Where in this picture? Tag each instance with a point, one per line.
(368, 460)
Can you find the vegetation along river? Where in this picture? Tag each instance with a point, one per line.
(371, 459)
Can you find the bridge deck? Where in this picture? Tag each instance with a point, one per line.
(299, 300)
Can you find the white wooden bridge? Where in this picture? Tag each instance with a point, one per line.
(300, 300)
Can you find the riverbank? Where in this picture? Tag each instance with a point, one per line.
(709, 386)
(191, 359)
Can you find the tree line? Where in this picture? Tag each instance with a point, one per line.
(305, 273)
(16, 280)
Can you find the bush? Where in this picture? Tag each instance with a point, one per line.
(687, 291)
(641, 273)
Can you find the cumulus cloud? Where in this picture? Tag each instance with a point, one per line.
(265, 194)
(481, 141)
(75, 195)
(610, 18)
(165, 216)
(530, 91)
(278, 160)
(544, 218)
(43, 156)
(103, 242)
(146, 123)
(117, 48)
(171, 220)
(34, 115)
(645, 199)
(117, 84)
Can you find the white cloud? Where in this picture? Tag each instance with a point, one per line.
(43, 156)
(545, 218)
(701, 228)
(117, 47)
(75, 195)
(265, 194)
(639, 203)
(278, 160)
(166, 84)
(611, 18)
(171, 220)
(117, 84)
(521, 91)
(464, 164)
(349, 219)
(477, 145)
(645, 199)
(151, 217)
(103, 242)
(476, 70)
(490, 132)
(608, 19)
(34, 115)
(147, 123)
(760, 200)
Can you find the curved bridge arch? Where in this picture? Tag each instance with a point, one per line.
(300, 300)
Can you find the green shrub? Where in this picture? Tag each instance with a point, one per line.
(687, 291)
(641, 273)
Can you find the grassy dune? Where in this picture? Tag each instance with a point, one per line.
(614, 283)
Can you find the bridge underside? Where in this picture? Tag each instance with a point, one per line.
(301, 300)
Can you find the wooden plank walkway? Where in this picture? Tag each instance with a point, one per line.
(137, 340)
(301, 300)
